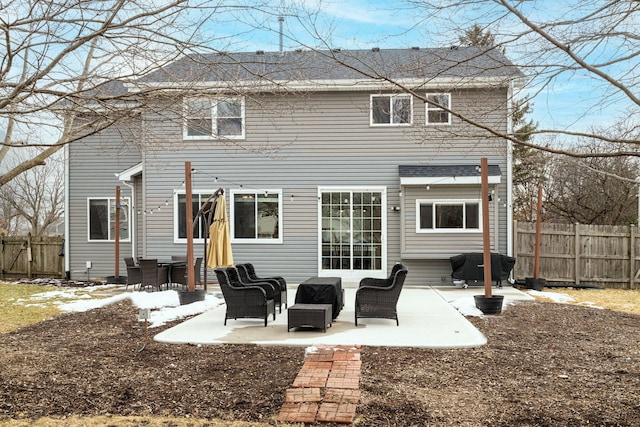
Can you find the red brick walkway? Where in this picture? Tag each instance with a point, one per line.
(326, 388)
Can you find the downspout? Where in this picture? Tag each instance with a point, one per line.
(510, 171)
(67, 256)
(132, 217)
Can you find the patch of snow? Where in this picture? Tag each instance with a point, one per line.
(165, 305)
(553, 296)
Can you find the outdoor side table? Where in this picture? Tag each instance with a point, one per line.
(311, 315)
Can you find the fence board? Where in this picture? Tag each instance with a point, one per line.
(31, 257)
(601, 255)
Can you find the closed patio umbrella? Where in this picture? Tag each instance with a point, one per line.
(219, 250)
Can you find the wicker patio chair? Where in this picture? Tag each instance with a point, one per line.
(245, 278)
(374, 281)
(251, 272)
(179, 275)
(152, 275)
(270, 289)
(244, 301)
(133, 273)
(380, 301)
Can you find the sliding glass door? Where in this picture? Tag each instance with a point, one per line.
(352, 232)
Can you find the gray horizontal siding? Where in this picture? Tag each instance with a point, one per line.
(441, 245)
(92, 167)
(310, 141)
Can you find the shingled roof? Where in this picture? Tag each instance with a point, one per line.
(445, 170)
(333, 65)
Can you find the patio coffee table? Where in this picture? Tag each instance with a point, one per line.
(311, 315)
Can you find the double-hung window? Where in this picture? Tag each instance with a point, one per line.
(101, 214)
(448, 215)
(198, 198)
(256, 216)
(435, 113)
(214, 118)
(391, 110)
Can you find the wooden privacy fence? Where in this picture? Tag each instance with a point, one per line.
(599, 255)
(32, 257)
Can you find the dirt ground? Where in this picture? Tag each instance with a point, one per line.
(545, 364)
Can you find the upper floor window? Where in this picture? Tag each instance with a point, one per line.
(180, 216)
(435, 114)
(256, 216)
(391, 110)
(214, 118)
(102, 219)
(448, 215)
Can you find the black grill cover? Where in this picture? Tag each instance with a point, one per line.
(469, 266)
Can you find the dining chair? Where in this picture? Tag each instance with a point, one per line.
(133, 273)
(152, 275)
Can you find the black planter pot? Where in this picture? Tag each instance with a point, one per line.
(187, 297)
(120, 280)
(534, 283)
(489, 305)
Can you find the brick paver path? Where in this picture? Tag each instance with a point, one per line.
(326, 388)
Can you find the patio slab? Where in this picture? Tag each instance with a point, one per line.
(427, 319)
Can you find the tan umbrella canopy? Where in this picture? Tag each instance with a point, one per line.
(219, 250)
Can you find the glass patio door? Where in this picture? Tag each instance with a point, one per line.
(352, 233)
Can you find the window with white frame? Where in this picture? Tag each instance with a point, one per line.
(198, 198)
(391, 110)
(214, 118)
(448, 215)
(101, 214)
(435, 114)
(256, 216)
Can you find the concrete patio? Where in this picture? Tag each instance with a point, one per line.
(427, 319)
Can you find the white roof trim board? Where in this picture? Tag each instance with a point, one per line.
(127, 174)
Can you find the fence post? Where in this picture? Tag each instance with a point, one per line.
(29, 256)
(2, 259)
(632, 255)
(577, 254)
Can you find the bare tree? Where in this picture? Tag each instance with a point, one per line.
(64, 63)
(592, 190)
(36, 197)
(593, 42)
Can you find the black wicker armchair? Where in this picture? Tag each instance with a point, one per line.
(251, 272)
(244, 301)
(374, 281)
(379, 300)
(270, 289)
(245, 278)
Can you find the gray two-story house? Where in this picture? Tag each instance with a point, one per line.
(334, 163)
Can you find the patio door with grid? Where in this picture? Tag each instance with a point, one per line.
(352, 233)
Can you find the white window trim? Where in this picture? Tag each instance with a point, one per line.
(176, 193)
(428, 107)
(89, 239)
(214, 118)
(390, 95)
(448, 230)
(262, 241)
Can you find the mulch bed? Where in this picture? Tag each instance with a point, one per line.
(545, 364)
